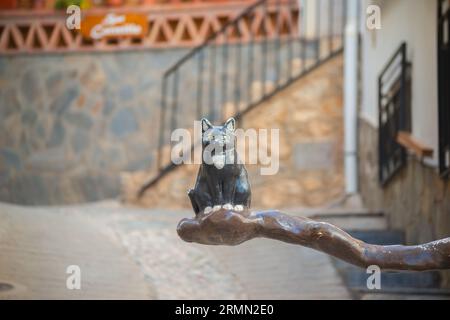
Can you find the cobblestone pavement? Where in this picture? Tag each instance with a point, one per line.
(169, 268)
(38, 244)
(176, 269)
(259, 269)
(274, 270)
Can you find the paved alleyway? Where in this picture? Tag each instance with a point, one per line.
(136, 253)
(38, 244)
(269, 269)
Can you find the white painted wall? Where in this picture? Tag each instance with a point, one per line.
(310, 27)
(413, 21)
(351, 98)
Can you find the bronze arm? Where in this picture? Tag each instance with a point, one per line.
(226, 227)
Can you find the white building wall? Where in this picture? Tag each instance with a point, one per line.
(312, 26)
(413, 21)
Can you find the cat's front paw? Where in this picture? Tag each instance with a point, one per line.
(207, 210)
(228, 206)
(216, 208)
(239, 207)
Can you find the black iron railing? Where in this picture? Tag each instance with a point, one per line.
(393, 113)
(261, 51)
(444, 86)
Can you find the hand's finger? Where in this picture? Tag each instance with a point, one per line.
(223, 227)
(187, 229)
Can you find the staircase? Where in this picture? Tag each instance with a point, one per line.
(263, 50)
(350, 214)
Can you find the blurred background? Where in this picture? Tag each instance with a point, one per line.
(357, 88)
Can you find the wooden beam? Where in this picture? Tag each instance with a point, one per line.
(409, 142)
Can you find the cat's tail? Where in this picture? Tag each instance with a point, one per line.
(191, 195)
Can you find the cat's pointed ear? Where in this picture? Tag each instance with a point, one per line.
(230, 124)
(206, 125)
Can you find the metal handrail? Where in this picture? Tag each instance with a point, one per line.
(393, 115)
(267, 46)
(443, 27)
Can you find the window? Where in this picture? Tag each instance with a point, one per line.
(444, 86)
(394, 114)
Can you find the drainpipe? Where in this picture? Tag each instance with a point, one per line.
(350, 98)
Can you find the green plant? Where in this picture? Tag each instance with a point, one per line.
(63, 4)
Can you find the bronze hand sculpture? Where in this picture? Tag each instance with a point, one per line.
(227, 227)
(221, 201)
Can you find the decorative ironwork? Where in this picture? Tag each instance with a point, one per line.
(177, 25)
(444, 86)
(393, 114)
(263, 50)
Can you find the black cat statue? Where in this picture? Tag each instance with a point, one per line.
(222, 180)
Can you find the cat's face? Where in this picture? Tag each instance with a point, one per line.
(218, 136)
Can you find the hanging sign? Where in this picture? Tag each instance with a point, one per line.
(114, 25)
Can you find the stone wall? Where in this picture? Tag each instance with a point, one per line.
(70, 123)
(416, 200)
(309, 116)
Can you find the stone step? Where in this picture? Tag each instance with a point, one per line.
(347, 212)
(356, 221)
(392, 283)
(409, 294)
